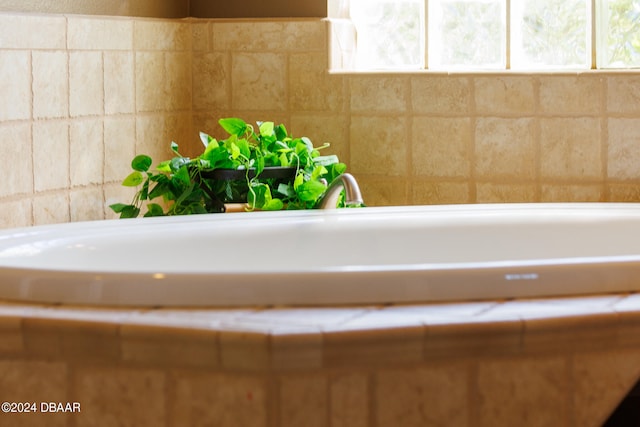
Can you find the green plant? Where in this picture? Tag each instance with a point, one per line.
(185, 186)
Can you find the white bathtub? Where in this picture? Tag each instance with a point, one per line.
(352, 256)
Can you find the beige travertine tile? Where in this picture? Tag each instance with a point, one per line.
(296, 349)
(506, 193)
(149, 80)
(437, 193)
(349, 397)
(32, 31)
(505, 148)
(522, 390)
(86, 88)
(441, 147)
(86, 152)
(16, 213)
(244, 350)
(18, 168)
(372, 150)
(372, 94)
(373, 344)
(304, 401)
(623, 94)
(623, 154)
(384, 192)
(161, 35)
(441, 95)
(50, 84)
(259, 81)
(280, 36)
(110, 394)
(623, 192)
(71, 339)
(169, 346)
(480, 335)
(571, 148)
(51, 208)
(178, 81)
(34, 381)
(51, 154)
(203, 399)
(505, 95)
(303, 317)
(86, 204)
(311, 88)
(11, 338)
(211, 81)
(571, 94)
(601, 380)
(436, 395)
(97, 33)
(119, 83)
(321, 128)
(15, 85)
(571, 193)
(201, 35)
(119, 147)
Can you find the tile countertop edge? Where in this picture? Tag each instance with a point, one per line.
(295, 339)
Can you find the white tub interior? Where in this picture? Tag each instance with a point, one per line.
(352, 256)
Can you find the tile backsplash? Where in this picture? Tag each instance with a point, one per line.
(82, 95)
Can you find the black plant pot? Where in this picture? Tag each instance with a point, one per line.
(229, 186)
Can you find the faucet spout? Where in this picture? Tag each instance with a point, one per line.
(352, 194)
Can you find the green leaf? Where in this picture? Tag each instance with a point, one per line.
(164, 166)
(234, 126)
(154, 209)
(206, 139)
(174, 148)
(235, 151)
(134, 179)
(310, 191)
(118, 207)
(281, 132)
(266, 128)
(129, 211)
(183, 175)
(326, 160)
(141, 163)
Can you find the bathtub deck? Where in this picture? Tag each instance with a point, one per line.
(497, 360)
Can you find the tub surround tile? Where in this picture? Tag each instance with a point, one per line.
(623, 94)
(503, 95)
(296, 349)
(441, 147)
(379, 94)
(50, 84)
(119, 140)
(161, 35)
(111, 394)
(365, 345)
(170, 346)
(86, 152)
(259, 81)
(17, 152)
(622, 148)
(571, 148)
(32, 31)
(15, 85)
(51, 154)
(581, 94)
(204, 399)
(211, 71)
(86, 83)
(375, 155)
(119, 83)
(349, 400)
(95, 33)
(244, 351)
(283, 36)
(441, 95)
(493, 192)
(516, 389)
(307, 78)
(601, 380)
(303, 401)
(417, 397)
(439, 193)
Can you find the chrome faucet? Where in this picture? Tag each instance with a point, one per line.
(352, 195)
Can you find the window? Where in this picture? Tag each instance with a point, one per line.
(496, 34)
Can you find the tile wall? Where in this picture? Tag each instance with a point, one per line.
(81, 96)
(85, 94)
